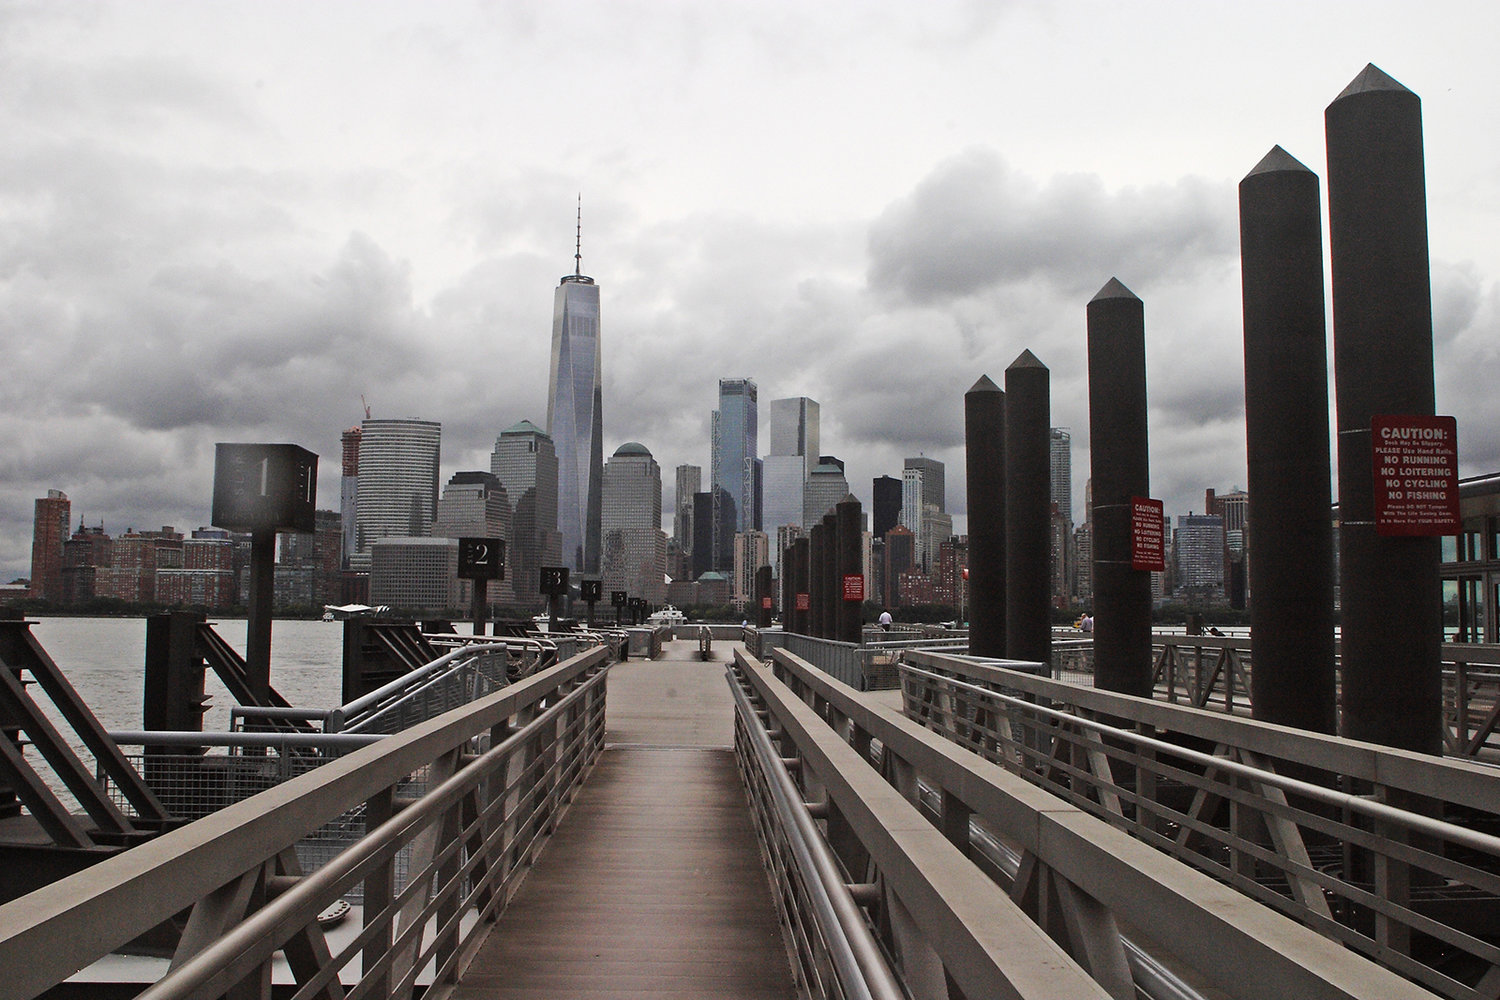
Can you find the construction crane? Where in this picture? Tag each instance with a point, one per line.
(365, 405)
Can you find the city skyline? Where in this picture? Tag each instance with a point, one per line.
(237, 247)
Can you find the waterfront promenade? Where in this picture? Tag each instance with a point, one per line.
(652, 885)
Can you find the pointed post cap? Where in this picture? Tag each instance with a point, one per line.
(1278, 160)
(1370, 78)
(1113, 289)
(1026, 360)
(985, 384)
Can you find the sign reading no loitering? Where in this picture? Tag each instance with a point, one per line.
(1148, 548)
(804, 602)
(1415, 461)
(854, 587)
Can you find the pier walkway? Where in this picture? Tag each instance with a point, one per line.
(652, 885)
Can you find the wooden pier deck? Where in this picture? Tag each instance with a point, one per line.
(652, 885)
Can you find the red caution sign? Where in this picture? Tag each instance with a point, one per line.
(1415, 461)
(804, 602)
(765, 602)
(1148, 549)
(854, 587)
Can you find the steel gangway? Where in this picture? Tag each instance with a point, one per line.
(747, 827)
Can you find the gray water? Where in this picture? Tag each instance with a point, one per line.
(104, 659)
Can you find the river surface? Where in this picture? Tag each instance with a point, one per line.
(104, 659)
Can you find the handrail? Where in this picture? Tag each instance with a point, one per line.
(1346, 838)
(862, 968)
(1115, 881)
(1361, 804)
(932, 915)
(274, 741)
(62, 927)
(255, 939)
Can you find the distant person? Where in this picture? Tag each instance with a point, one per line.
(1087, 624)
(885, 620)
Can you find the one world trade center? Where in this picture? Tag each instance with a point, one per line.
(575, 417)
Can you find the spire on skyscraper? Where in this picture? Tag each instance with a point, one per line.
(578, 241)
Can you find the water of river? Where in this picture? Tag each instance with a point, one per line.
(104, 658)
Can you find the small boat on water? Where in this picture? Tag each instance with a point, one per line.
(667, 616)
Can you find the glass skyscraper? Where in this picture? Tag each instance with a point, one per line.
(736, 431)
(398, 482)
(575, 418)
(525, 463)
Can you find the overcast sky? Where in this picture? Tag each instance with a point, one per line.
(229, 221)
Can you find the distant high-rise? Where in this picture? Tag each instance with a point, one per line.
(632, 489)
(887, 504)
(575, 416)
(473, 505)
(689, 481)
(825, 488)
(525, 462)
(49, 532)
(398, 482)
(794, 428)
(1062, 471)
(934, 490)
(1198, 552)
(349, 493)
(793, 456)
(635, 547)
(736, 428)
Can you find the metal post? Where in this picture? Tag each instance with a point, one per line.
(258, 628)
(801, 584)
(831, 595)
(763, 597)
(1028, 510)
(1382, 329)
(479, 606)
(984, 450)
(1119, 461)
(815, 579)
(1290, 532)
(850, 558)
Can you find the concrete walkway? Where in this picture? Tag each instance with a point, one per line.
(652, 885)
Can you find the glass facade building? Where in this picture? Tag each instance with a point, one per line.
(575, 419)
(398, 482)
(525, 463)
(736, 429)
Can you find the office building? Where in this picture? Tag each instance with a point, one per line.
(899, 557)
(713, 543)
(826, 488)
(1061, 454)
(349, 491)
(84, 554)
(689, 481)
(793, 456)
(752, 550)
(418, 576)
(886, 501)
(398, 482)
(1198, 556)
(49, 532)
(575, 416)
(934, 488)
(525, 463)
(735, 465)
(631, 489)
(635, 547)
(473, 505)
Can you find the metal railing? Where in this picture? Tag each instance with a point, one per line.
(837, 953)
(498, 773)
(1118, 909)
(1348, 839)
